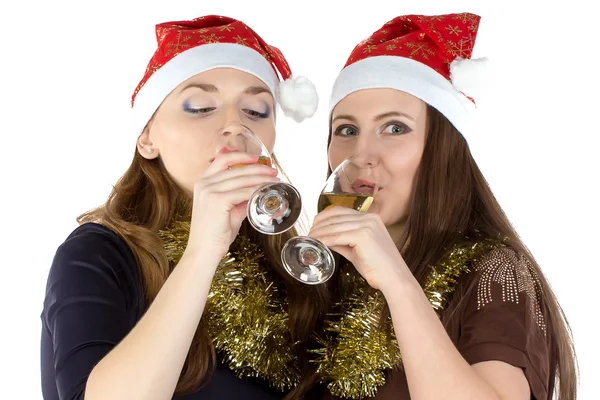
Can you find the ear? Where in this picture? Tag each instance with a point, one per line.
(145, 146)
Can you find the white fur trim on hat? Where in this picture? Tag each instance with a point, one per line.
(298, 98)
(192, 62)
(409, 76)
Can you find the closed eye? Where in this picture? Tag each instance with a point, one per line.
(202, 110)
(189, 108)
(256, 114)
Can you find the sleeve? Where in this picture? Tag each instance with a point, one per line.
(504, 318)
(86, 306)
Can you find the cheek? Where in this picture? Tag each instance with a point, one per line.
(403, 162)
(407, 169)
(407, 159)
(335, 156)
(402, 166)
(185, 152)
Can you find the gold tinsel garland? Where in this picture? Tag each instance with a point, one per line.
(247, 319)
(244, 314)
(354, 359)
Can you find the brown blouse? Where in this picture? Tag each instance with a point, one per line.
(501, 317)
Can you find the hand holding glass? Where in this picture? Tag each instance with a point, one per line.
(353, 185)
(275, 207)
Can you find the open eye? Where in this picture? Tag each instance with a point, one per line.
(346, 130)
(396, 128)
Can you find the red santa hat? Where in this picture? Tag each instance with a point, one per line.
(428, 57)
(187, 48)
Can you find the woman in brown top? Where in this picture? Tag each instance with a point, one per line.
(491, 329)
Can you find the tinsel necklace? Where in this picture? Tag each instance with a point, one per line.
(247, 320)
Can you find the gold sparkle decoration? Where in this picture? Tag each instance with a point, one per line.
(353, 360)
(443, 277)
(278, 55)
(161, 34)
(465, 18)
(241, 40)
(175, 239)
(514, 276)
(454, 30)
(421, 50)
(369, 48)
(245, 316)
(247, 320)
(355, 356)
(462, 48)
(211, 38)
(267, 56)
(179, 45)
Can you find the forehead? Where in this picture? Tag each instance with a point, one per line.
(367, 103)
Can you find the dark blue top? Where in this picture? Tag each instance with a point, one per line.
(94, 297)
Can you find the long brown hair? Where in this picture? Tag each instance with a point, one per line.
(145, 200)
(452, 200)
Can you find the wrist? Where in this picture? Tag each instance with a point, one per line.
(207, 259)
(400, 281)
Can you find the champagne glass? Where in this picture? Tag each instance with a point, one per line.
(274, 207)
(353, 184)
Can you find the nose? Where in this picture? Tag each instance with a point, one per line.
(235, 129)
(366, 150)
(231, 119)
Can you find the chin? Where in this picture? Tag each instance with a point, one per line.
(376, 210)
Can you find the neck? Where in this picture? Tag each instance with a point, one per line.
(396, 231)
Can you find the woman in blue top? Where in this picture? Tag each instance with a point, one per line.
(122, 314)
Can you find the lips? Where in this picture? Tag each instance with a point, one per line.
(363, 186)
(225, 150)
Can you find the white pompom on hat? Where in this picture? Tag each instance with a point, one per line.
(187, 48)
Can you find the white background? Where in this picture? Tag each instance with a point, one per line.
(68, 70)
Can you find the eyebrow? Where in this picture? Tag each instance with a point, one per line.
(252, 90)
(377, 118)
(204, 86)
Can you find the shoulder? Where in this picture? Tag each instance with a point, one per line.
(93, 240)
(504, 317)
(92, 236)
(507, 277)
(93, 256)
